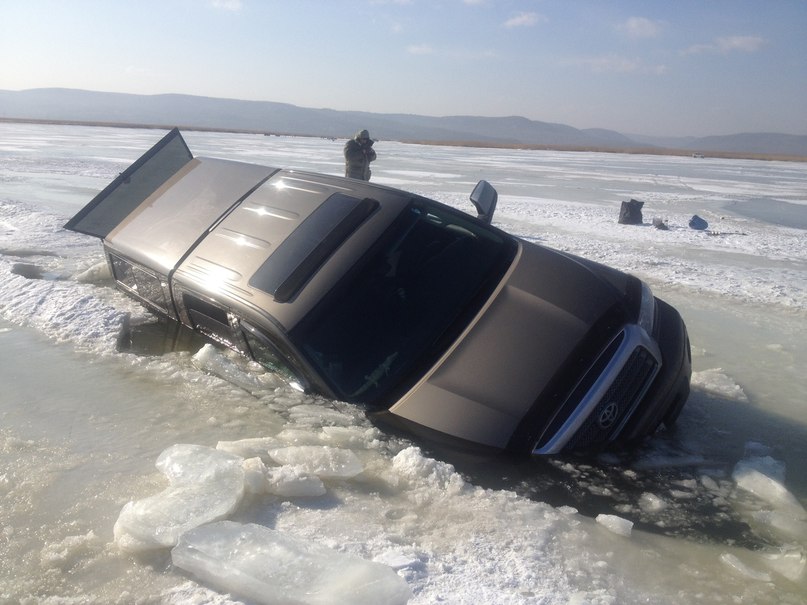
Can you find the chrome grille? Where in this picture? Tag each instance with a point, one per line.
(606, 396)
(618, 403)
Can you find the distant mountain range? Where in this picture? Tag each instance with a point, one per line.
(194, 112)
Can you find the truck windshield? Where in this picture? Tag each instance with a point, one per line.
(402, 306)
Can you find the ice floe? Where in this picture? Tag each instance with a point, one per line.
(615, 524)
(205, 485)
(775, 510)
(273, 568)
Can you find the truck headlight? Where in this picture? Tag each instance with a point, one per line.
(647, 310)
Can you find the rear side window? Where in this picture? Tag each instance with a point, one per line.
(223, 327)
(144, 284)
(209, 319)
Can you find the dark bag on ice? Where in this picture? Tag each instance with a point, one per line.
(631, 212)
(698, 223)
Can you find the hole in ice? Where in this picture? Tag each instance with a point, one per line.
(25, 252)
(157, 338)
(30, 271)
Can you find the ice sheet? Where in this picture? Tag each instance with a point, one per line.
(322, 461)
(776, 511)
(106, 415)
(274, 568)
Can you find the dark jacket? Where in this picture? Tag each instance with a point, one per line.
(359, 153)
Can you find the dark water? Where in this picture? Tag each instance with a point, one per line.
(680, 465)
(770, 211)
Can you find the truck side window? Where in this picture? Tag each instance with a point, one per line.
(141, 283)
(265, 353)
(210, 320)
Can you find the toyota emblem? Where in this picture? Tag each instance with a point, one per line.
(608, 416)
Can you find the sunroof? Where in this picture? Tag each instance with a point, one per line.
(301, 254)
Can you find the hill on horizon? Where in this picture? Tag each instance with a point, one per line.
(188, 111)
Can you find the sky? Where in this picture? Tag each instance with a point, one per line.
(661, 68)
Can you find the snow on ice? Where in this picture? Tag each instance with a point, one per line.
(298, 485)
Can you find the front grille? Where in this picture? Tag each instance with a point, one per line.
(618, 402)
(605, 396)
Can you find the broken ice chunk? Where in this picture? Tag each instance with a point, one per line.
(213, 361)
(97, 273)
(304, 436)
(317, 415)
(733, 563)
(352, 436)
(716, 381)
(250, 448)
(205, 485)
(791, 562)
(651, 503)
(767, 488)
(255, 476)
(764, 477)
(158, 521)
(618, 525)
(782, 523)
(323, 461)
(400, 559)
(288, 481)
(269, 567)
(293, 482)
(193, 463)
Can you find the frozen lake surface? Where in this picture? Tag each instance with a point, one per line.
(257, 486)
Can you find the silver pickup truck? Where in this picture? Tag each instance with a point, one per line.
(429, 317)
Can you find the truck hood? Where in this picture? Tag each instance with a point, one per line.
(478, 390)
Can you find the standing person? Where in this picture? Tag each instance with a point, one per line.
(359, 153)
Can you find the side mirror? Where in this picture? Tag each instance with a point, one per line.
(484, 197)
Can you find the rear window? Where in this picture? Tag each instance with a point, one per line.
(132, 186)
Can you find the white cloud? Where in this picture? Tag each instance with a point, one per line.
(748, 44)
(455, 54)
(640, 27)
(619, 64)
(474, 55)
(419, 49)
(228, 5)
(524, 20)
(726, 45)
(696, 49)
(611, 63)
